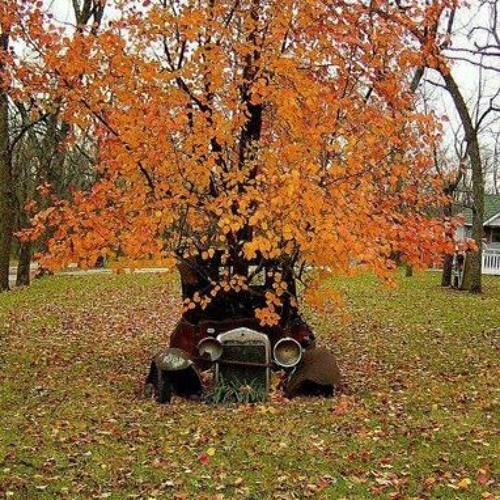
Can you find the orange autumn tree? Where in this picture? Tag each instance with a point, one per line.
(246, 134)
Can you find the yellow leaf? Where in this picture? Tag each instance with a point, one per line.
(464, 483)
(211, 452)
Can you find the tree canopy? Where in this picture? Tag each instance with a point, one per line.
(257, 130)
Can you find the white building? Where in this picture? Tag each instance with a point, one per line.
(491, 241)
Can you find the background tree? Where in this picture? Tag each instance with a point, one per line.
(444, 41)
(492, 162)
(47, 162)
(452, 171)
(6, 194)
(38, 150)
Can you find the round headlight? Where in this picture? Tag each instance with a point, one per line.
(210, 349)
(287, 352)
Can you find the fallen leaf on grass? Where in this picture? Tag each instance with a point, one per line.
(465, 483)
(430, 482)
(341, 407)
(482, 477)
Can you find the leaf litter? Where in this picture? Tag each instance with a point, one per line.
(417, 419)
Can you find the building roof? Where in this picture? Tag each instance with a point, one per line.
(491, 208)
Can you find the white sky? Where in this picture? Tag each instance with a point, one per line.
(472, 81)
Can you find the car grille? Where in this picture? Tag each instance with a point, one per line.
(245, 346)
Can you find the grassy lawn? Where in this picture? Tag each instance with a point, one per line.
(419, 419)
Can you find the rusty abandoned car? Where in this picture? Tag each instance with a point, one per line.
(227, 340)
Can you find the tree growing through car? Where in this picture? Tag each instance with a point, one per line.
(251, 142)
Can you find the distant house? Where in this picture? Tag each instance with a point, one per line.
(491, 240)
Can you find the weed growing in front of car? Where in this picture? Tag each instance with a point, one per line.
(235, 391)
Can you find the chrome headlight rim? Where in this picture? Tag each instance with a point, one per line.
(296, 361)
(209, 349)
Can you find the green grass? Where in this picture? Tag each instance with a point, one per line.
(419, 420)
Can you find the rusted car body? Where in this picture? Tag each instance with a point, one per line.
(225, 337)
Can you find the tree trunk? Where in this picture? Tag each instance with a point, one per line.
(476, 258)
(51, 158)
(23, 267)
(447, 270)
(446, 277)
(467, 273)
(474, 281)
(6, 187)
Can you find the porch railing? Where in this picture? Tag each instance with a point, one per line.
(491, 262)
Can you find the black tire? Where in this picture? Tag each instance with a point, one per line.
(163, 389)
